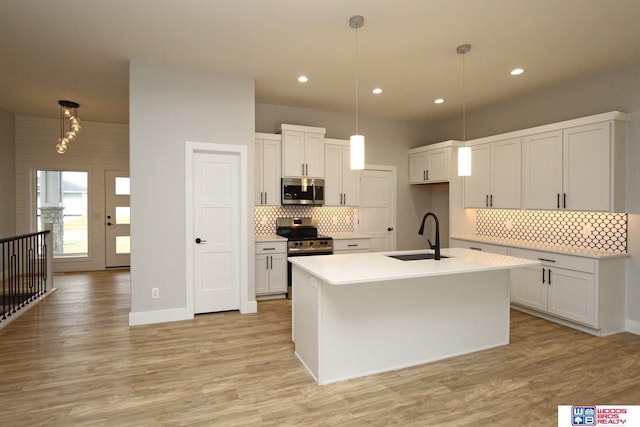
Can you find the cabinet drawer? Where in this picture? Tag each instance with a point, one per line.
(271, 247)
(486, 247)
(569, 262)
(350, 245)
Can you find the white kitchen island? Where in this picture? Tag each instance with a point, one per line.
(361, 314)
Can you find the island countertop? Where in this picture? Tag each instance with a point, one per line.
(345, 269)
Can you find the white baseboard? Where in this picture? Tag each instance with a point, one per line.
(249, 307)
(633, 327)
(159, 316)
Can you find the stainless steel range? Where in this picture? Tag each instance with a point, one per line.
(302, 239)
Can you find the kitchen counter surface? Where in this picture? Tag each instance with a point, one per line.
(269, 238)
(350, 235)
(561, 249)
(345, 269)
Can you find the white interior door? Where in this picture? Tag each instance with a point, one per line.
(117, 219)
(377, 211)
(216, 240)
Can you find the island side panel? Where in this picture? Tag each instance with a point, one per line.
(382, 326)
(305, 325)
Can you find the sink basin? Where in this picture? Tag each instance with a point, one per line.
(415, 257)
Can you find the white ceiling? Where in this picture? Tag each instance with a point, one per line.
(79, 50)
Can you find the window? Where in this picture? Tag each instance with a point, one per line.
(62, 199)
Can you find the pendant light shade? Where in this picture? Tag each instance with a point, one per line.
(464, 153)
(357, 152)
(357, 140)
(464, 161)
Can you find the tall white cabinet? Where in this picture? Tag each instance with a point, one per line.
(268, 149)
(341, 184)
(302, 151)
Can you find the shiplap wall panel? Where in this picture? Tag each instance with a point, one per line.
(98, 148)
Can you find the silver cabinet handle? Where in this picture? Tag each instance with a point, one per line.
(268, 249)
(475, 248)
(265, 197)
(546, 259)
(353, 246)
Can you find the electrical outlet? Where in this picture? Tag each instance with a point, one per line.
(155, 293)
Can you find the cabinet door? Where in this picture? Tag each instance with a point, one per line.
(293, 154)
(506, 174)
(278, 273)
(314, 155)
(333, 175)
(258, 193)
(477, 187)
(262, 274)
(542, 171)
(438, 165)
(571, 294)
(527, 288)
(350, 180)
(587, 167)
(271, 170)
(417, 167)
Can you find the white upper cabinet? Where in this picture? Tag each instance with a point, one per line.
(432, 163)
(580, 168)
(495, 175)
(542, 170)
(268, 149)
(302, 151)
(341, 184)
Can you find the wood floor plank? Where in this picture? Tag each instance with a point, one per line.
(73, 360)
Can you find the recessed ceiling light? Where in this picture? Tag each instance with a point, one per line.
(303, 79)
(517, 71)
(377, 90)
(438, 101)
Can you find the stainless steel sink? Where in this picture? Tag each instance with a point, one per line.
(415, 257)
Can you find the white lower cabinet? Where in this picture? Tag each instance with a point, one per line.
(271, 269)
(587, 291)
(347, 246)
(580, 292)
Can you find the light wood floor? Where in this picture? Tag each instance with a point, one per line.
(73, 360)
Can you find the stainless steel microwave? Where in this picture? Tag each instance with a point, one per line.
(302, 191)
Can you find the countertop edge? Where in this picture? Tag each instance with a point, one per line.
(584, 253)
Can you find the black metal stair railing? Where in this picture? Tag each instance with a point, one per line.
(26, 265)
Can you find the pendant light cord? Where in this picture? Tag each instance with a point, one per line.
(357, 72)
(464, 110)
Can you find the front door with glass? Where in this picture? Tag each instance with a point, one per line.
(117, 219)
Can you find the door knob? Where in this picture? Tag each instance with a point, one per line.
(390, 229)
(199, 240)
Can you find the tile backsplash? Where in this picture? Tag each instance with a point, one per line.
(590, 230)
(330, 219)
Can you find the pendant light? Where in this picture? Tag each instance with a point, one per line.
(68, 112)
(464, 153)
(357, 140)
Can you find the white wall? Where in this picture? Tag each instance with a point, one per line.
(386, 143)
(615, 90)
(99, 147)
(168, 106)
(7, 176)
